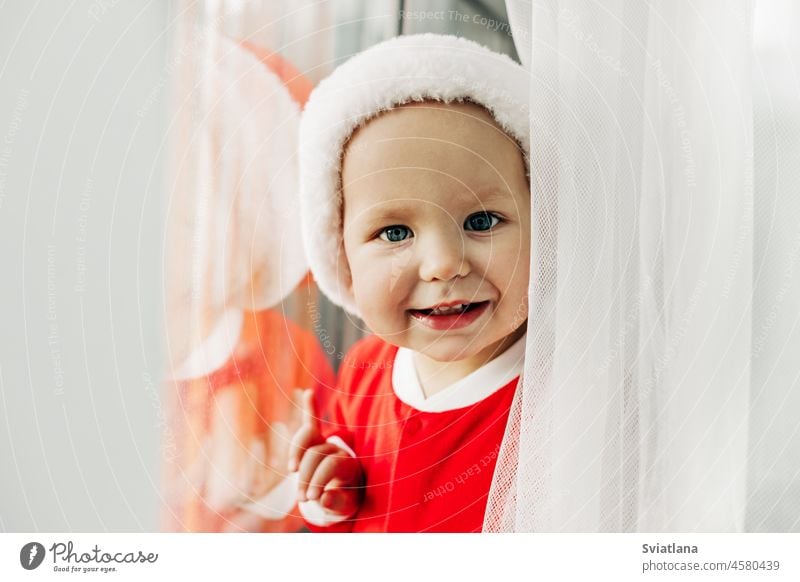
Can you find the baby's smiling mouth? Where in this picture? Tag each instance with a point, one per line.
(452, 309)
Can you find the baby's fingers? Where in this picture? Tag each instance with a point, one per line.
(302, 440)
(309, 418)
(309, 463)
(326, 471)
(338, 470)
(308, 434)
(341, 501)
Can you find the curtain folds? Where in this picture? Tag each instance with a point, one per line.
(656, 153)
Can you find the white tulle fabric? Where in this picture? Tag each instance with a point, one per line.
(662, 336)
(250, 254)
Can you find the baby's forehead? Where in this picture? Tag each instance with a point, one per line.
(429, 127)
(423, 200)
(435, 152)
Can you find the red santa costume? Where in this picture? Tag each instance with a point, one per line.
(428, 462)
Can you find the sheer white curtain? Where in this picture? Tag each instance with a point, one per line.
(659, 391)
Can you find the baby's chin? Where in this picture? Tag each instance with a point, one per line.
(446, 349)
(460, 356)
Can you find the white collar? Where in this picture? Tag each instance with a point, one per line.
(472, 388)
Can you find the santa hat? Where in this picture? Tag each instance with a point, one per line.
(400, 70)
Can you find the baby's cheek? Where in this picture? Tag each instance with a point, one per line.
(511, 271)
(371, 288)
(518, 288)
(385, 288)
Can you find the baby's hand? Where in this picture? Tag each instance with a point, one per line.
(326, 472)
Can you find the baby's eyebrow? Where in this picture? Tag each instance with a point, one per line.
(388, 211)
(401, 209)
(491, 194)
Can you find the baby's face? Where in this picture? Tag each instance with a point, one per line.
(437, 211)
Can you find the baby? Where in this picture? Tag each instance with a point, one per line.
(416, 218)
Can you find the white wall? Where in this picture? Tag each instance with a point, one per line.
(83, 99)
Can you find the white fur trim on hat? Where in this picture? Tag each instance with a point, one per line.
(397, 71)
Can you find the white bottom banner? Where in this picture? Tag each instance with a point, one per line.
(420, 557)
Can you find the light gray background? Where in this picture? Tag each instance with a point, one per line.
(83, 101)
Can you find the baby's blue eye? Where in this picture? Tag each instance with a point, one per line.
(394, 233)
(481, 221)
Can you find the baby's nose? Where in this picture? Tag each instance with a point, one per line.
(442, 256)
